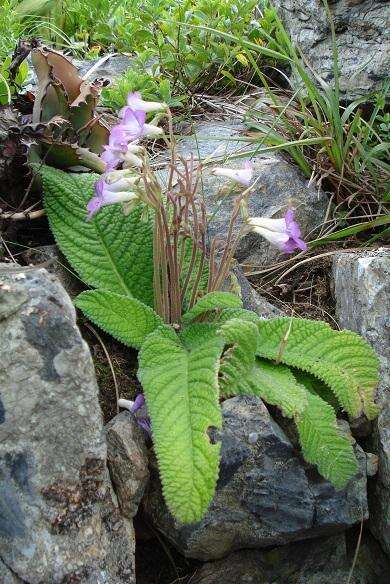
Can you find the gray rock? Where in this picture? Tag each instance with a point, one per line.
(363, 40)
(59, 518)
(7, 577)
(114, 66)
(362, 289)
(251, 299)
(55, 263)
(280, 186)
(127, 459)
(266, 494)
(320, 561)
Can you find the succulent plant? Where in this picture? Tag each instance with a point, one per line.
(64, 129)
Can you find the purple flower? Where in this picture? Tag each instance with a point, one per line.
(110, 189)
(132, 124)
(284, 233)
(139, 402)
(138, 409)
(117, 146)
(131, 127)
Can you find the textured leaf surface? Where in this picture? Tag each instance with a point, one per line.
(341, 359)
(317, 387)
(198, 333)
(126, 319)
(323, 444)
(181, 392)
(228, 313)
(239, 359)
(212, 301)
(112, 252)
(276, 385)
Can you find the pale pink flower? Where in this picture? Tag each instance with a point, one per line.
(135, 102)
(132, 124)
(242, 176)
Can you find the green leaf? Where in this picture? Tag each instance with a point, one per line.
(351, 230)
(323, 444)
(212, 301)
(181, 391)
(239, 359)
(341, 359)
(317, 387)
(241, 313)
(112, 252)
(197, 333)
(276, 385)
(127, 319)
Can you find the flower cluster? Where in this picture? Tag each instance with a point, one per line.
(124, 185)
(123, 149)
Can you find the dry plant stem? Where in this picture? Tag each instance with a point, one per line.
(23, 215)
(229, 250)
(163, 268)
(158, 300)
(193, 252)
(211, 264)
(202, 261)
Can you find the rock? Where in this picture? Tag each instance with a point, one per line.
(114, 66)
(363, 40)
(7, 577)
(90, 69)
(59, 518)
(251, 299)
(266, 494)
(320, 561)
(127, 459)
(362, 290)
(280, 185)
(372, 462)
(55, 263)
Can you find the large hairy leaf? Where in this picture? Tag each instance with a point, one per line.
(323, 444)
(212, 301)
(181, 392)
(238, 360)
(341, 359)
(127, 319)
(276, 385)
(197, 333)
(112, 252)
(241, 313)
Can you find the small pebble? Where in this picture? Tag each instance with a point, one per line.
(253, 437)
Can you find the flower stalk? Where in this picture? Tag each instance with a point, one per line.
(182, 261)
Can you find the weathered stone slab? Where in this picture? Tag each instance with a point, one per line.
(362, 289)
(266, 494)
(59, 518)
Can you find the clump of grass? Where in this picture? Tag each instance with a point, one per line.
(343, 148)
(353, 159)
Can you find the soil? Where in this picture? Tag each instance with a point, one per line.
(307, 292)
